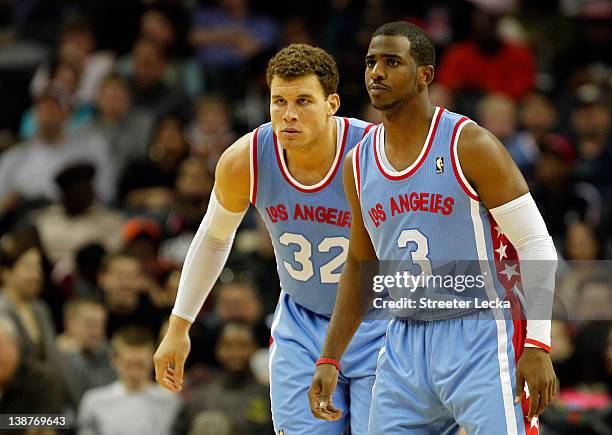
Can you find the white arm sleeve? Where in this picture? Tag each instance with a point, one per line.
(205, 259)
(521, 222)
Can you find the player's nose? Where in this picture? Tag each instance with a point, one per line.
(290, 113)
(377, 73)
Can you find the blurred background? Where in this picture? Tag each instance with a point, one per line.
(113, 115)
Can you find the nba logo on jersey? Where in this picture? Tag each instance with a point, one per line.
(439, 165)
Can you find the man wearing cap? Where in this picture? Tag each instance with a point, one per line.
(78, 219)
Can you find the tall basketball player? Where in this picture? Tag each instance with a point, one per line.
(426, 187)
(289, 170)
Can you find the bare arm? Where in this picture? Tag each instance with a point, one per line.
(350, 307)
(489, 168)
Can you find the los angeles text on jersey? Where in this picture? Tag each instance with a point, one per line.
(320, 214)
(412, 202)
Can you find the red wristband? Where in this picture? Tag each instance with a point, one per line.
(538, 344)
(331, 361)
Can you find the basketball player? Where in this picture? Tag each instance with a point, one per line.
(290, 170)
(425, 187)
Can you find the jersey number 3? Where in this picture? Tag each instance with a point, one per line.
(304, 254)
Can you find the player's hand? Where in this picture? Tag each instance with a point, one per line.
(169, 359)
(535, 367)
(320, 393)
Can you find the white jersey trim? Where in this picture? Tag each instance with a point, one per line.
(340, 132)
(380, 149)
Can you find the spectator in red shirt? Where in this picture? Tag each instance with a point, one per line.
(486, 63)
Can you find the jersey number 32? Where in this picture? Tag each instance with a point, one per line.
(303, 256)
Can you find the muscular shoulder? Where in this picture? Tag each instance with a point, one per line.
(233, 175)
(488, 167)
(476, 142)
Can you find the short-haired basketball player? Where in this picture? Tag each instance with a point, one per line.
(290, 170)
(426, 188)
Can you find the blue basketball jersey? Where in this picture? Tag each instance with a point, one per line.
(309, 225)
(430, 219)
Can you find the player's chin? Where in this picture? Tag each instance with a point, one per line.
(292, 143)
(382, 103)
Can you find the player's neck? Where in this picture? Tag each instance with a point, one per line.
(407, 125)
(312, 162)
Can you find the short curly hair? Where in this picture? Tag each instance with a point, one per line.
(299, 60)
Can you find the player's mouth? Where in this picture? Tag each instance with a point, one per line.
(377, 89)
(290, 132)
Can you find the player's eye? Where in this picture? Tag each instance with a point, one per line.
(303, 100)
(392, 62)
(370, 63)
(279, 101)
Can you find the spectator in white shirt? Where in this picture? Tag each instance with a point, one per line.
(134, 404)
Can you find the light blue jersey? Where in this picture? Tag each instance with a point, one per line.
(309, 227)
(441, 367)
(428, 218)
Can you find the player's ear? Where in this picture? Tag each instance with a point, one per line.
(426, 76)
(333, 104)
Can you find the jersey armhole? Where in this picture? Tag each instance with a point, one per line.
(356, 170)
(253, 167)
(454, 152)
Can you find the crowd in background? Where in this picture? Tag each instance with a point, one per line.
(113, 116)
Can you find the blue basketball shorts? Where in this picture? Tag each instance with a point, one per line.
(297, 341)
(433, 377)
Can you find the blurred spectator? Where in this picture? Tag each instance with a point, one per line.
(141, 237)
(560, 199)
(167, 24)
(234, 301)
(127, 129)
(149, 91)
(65, 79)
(211, 423)
(163, 297)
(77, 46)
(581, 242)
(124, 293)
(212, 132)
(538, 115)
(84, 347)
(562, 352)
(145, 184)
(295, 30)
(22, 282)
(134, 404)
(583, 404)
(591, 125)
(193, 188)
(88, 260)
(486, 63)
(225, 38)
(594, 300)
(235, 393)
(252, 107)
(28, 169)
(498, 114)
(26, 386)
(255, 258)
(78, 219)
